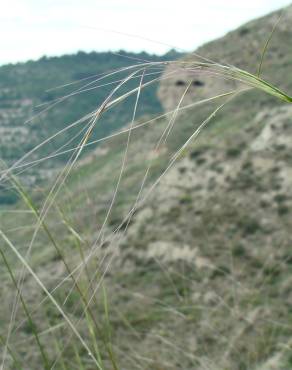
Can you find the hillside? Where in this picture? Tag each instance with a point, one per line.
(242, 48)
(199, 276)
(27, 89)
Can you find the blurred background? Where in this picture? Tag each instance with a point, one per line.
(162, 248)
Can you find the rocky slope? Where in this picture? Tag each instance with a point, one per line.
(223, 212)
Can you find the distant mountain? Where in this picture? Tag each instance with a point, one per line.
(25, 86)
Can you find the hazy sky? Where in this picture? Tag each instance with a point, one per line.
(32, 28)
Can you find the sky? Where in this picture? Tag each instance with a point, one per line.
(30, 29)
